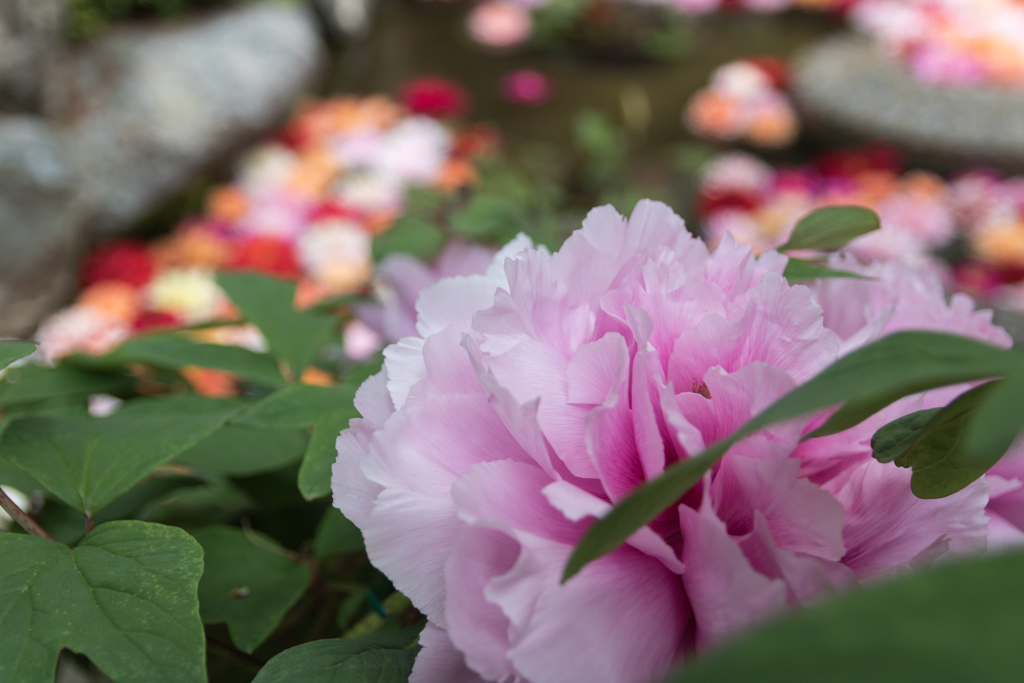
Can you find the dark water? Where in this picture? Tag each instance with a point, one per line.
(411, 39)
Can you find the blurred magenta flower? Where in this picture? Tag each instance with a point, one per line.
(527, 87)
(532, 397)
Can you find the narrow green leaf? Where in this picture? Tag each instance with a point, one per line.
(11, 351)
(125, 597)
(296, 406)
(315, 473)
(336, 535)
(248, 583)
(867, 380)
(173, 352)
(831, 227)
(294, 336)
(352, 660)
(36, 383)
(411, 235)
(801, 271)
(896, 438)
(87, 462)
(243, 451)
(959, 622)
(942, 466)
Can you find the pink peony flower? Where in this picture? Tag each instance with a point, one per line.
(533, 397)
(400, 278)
(499, 24)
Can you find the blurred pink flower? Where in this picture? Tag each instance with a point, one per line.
(534, 396)
(360, 341)
(527, 87)
(499, 24)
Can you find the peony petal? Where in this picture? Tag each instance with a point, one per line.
(477, 627)
(453, 300)
(404, 364)
(622, 619)
(353, 493)
(439, 661)
(409, 537)
(725, 592)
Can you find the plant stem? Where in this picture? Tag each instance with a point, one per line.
(21, 517)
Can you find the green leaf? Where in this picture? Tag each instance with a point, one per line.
(801, 271)
(242, 451)
(896, 438)
(352, 660)
(11, 351)
(31, 384)
(296, 406)
(125, 597)
(173, 352)
(998, 420)
(294, 336)
(942, 466)
(197, 506)
(315, 473)
(336, 535)
(959, 622)
(248, 583)
(831, 227)
(87, 462)
(411, 235)
(487, 215)
(867, 380)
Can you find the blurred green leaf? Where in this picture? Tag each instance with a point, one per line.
(11, 351)
(959, 622)
(336, 535)
(31, 384)
(488, 215)
(865, 381)
(173, 352)
(352, 660)
(196, 506)
(249, 583)
(941, 463)
(831, 228)
(801, 271)
(998, 420)
(411, 235)
(315, 473)
(241, 451)
(125, 597)
(87, 462)
(294, 336)
(296, 406)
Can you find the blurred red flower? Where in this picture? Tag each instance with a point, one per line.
(435, 96)
(122, 260)
(266, 255)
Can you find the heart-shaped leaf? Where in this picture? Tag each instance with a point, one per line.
(248, 583)
(802, 271)
(296, 406)
(11, 351)
(125, 597)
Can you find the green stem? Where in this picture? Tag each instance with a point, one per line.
(21, 517)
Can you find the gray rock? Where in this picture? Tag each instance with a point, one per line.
(31, 36)
(39, 226)
(147, 108)
(845, 86)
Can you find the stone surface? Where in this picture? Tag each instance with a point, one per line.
(845, 86)
(39, 226)
(31, 35)
(146, 108)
